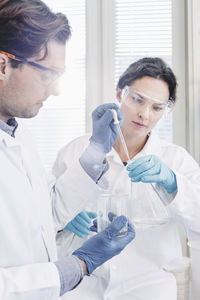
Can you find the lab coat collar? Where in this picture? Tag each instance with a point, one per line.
(10, 141)
(151, 147)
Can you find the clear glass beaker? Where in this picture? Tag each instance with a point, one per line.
(147, 209)
(111, 203)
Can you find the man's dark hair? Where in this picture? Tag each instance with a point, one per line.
(153, 67)
(26, 26)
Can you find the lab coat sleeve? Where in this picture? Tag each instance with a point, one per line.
(186, 204)
(30, 278)
(73, 188)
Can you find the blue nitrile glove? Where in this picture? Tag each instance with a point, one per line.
(150, 168)
(111, 216)
(104, 132)
(80, 225)
(104, 245)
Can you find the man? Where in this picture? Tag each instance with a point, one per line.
(32, 58)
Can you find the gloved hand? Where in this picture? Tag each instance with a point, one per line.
(80, 225)
(104, 245)
(111, 217)
(104, 133)
(150, 168)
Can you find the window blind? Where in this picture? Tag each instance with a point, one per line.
(63, 118)
(144, 28)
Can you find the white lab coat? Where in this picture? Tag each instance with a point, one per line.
(27, 231)
(138, 272)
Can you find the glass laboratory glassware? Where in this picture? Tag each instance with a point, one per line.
(111, 203)
(147, 208)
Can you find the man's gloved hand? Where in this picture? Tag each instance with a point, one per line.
(104, 133)
(150, 168)
(80, 225)
(104, 245)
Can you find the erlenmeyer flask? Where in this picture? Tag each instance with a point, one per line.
(147, 209)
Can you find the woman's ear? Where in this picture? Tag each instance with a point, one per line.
(119, 94)
(3, 66)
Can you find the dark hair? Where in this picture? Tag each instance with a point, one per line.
(26, 26)
(153, 67)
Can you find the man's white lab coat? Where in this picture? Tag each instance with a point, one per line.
(138, 272)
(27, 231)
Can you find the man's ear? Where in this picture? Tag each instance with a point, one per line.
(119, 94)
(4, 66)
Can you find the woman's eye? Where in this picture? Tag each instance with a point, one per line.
(137, 100)
(158, 108)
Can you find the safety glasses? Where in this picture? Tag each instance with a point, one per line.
(47, 75)
(132, 98)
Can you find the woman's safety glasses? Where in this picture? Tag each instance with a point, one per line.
(46, 75)
(134, 98)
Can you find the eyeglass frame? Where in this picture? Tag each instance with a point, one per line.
(169, 104)
(32, 63)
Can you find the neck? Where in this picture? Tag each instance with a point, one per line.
(134, 145)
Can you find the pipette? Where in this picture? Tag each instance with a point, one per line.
(117, 122)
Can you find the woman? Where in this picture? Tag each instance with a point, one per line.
(145, 91)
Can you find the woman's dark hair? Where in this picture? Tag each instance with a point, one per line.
(26, 26)
(153, 67)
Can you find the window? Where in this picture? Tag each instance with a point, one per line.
(63, 118)
(144, 28)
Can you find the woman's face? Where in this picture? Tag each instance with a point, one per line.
(143, 104)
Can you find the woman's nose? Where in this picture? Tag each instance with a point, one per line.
(144, 112)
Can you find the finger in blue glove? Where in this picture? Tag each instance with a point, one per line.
(105, 132)
(150, 168)
(80, 225)
(106, 244)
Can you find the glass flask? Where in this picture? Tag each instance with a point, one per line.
(147, 208)
(109, 204)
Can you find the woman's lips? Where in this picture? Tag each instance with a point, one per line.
(139, 124)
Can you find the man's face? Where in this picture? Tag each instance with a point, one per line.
(23, 90)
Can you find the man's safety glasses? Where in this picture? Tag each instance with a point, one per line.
(47, 75)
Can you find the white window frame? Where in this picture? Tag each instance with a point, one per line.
(193, 77)
(186, 63)
(99, 55)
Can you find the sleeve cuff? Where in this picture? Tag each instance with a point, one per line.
(70, 272)
(94, 163)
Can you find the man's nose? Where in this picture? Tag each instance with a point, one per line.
(54, 88)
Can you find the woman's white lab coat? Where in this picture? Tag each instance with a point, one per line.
(138, 272)
(27, 231)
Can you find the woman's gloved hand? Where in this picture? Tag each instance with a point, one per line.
(80, 225)
(150, 168)
(104, 132)
(104, 245)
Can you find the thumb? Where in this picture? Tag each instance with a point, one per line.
(91, 214)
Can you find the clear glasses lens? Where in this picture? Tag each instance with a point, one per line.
(134, 99)
(46, 77)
